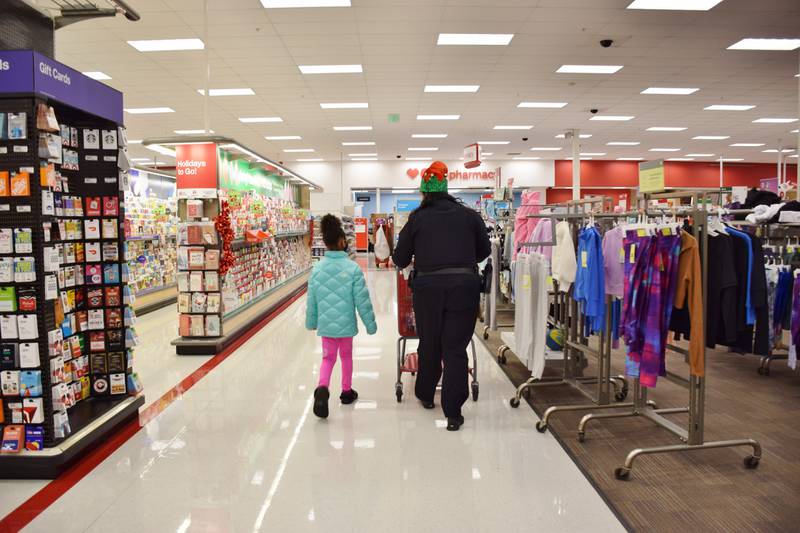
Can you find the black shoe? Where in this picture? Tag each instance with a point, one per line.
(454, 423)
(428, 405)
(348, 397)
(321, 395)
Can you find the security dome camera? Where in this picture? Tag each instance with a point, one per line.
(593, 111)
(606, 43)
(525, 139)
(398, 156)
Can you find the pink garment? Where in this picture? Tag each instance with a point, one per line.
(543, 233)
(524, 226)
(614, 261)
(330, 347)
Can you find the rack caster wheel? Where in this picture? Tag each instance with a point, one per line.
(486, 334)
(541, 427)
(398, 391)
(751, 462)
(475, 392)
(761, 370)
(766, 371)
(514, 402)
(581, 436)
(622, 473)
(621, 395)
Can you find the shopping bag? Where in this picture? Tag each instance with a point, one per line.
(382, 250)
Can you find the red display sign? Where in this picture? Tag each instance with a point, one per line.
(196, 170)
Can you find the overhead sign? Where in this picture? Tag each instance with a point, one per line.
(196, 170)
(651, 176)
(472, 156)
(463, 175)
(363, 198)
(405, 205)
(238, 175)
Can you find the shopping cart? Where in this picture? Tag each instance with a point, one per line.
(408, 363)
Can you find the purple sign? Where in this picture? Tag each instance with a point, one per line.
(25, 71)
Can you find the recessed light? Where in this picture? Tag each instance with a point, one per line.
(474, 39)
(680, 159)
(766, 44)
(429, 136)
(452, 88)
(665, 149)
(588, 69)
(134, 141)
(283, 138)
(731, 159)
(167, 45)
(582, 136)
(747, 145)
(331, 69)
(373, 154)
(363, 159)
(775, 151)
(311, 160)
(774, 120)
(676, 5)
(352, 128)
(711, 137)
(97, 75)
(699, 155)
(671, 90)
(630, 159)
(513, 127)
(494, 142)
(364, 143)
(418, 158)
(545, 149)
(237, 91)
(623, 143)
(255, 120)
(148, 110)
(438, 117)
(728, 107)
(592, 154)
(613, 118)
(423, 149)
(163, 150)
(542, 105)
(345, 105)
(526, 158)
(666, 128)
(279, 4)
(580, 158)
(193, 132)
(487, 153)
(298, 150)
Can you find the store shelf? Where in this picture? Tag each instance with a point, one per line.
(155, 298)
(242, 242)
(261, 297)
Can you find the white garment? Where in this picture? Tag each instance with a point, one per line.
(530, 311)
(564, 265)
(762, 213)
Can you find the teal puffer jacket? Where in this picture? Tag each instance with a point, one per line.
(336, 289)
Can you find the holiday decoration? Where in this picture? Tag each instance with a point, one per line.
(223, 225)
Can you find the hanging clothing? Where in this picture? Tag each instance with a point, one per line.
(795, 330)
(564, 265)
(589, 280)
(745, 239)
(637, 246)
(530, 311)
(524, 226)
(614, 261)
(543, 233)
(689, 292)
(755, 337)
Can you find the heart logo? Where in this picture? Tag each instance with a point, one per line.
(412, 172)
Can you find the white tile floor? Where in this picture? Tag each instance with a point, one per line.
(241, 451)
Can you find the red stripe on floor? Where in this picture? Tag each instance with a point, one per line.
(36, 504)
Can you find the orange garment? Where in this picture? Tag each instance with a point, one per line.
(689, 291)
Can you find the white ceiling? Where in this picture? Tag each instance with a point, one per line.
(249, 46)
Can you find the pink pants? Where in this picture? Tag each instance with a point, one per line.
(330, 347)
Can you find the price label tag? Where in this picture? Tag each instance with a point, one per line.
(632, 258)
(584, 259)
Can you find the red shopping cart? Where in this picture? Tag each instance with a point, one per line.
(408, 363)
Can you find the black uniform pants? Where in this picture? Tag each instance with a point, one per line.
(446, 307)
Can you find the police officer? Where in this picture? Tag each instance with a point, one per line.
(446, 240)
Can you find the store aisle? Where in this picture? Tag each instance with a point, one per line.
(241, 451)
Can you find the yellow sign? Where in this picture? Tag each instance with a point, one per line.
(651, 176)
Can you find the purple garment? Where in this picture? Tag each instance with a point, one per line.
(795, 325)
(543, 232)
(613, 262)
(636, 247)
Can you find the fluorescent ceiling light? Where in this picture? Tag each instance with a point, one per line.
(331, 69)
(623, 143)
(680, 159)
(676, 5)
(418, 158)
(748, 145)
(513, 127)
(403, 191)
(364, 159)
(365, 143)
(148, 110)
(581, 158)
(775, 151)
(665, 149)
(699, 155)
(711, 137)
(255, 120)
(193, 132)
(452, 88)
(352, 128)
(630, 159)
(666, 128)
(134, 141)
(542, 105)
(167, 45)
(161, 150)
(582, 136)
(298, 150)
(588, 69)
(312, 160)
(525, 158)
(598, 154)
(438, 117)
(487, 153)
(774, 120)
(237, 91)
(793, 131)
(429, 136)
(141, 159)
(280, 4)
(728, 107)
(363, 155)
(731, 159)
(494, 142)
(345, 105)
(545, 149)
(670, 90)
(283, 138)
(97, 75)
(613, 118)
(423, 149)
(474, 39)
(766, 44)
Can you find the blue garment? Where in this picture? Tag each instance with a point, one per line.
(590, 290)
(336, 289)
(616, 310)
(783, 292)
(751, 312)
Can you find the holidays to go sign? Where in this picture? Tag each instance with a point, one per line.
(196, 170)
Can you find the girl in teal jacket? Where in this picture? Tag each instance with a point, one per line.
(335, 291)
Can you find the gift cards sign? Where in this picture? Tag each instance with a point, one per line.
(196, 170)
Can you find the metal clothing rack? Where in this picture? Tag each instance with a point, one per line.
(693, 437)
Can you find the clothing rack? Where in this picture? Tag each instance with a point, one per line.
(693, 437)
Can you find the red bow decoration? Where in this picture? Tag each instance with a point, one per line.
(222, 223)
